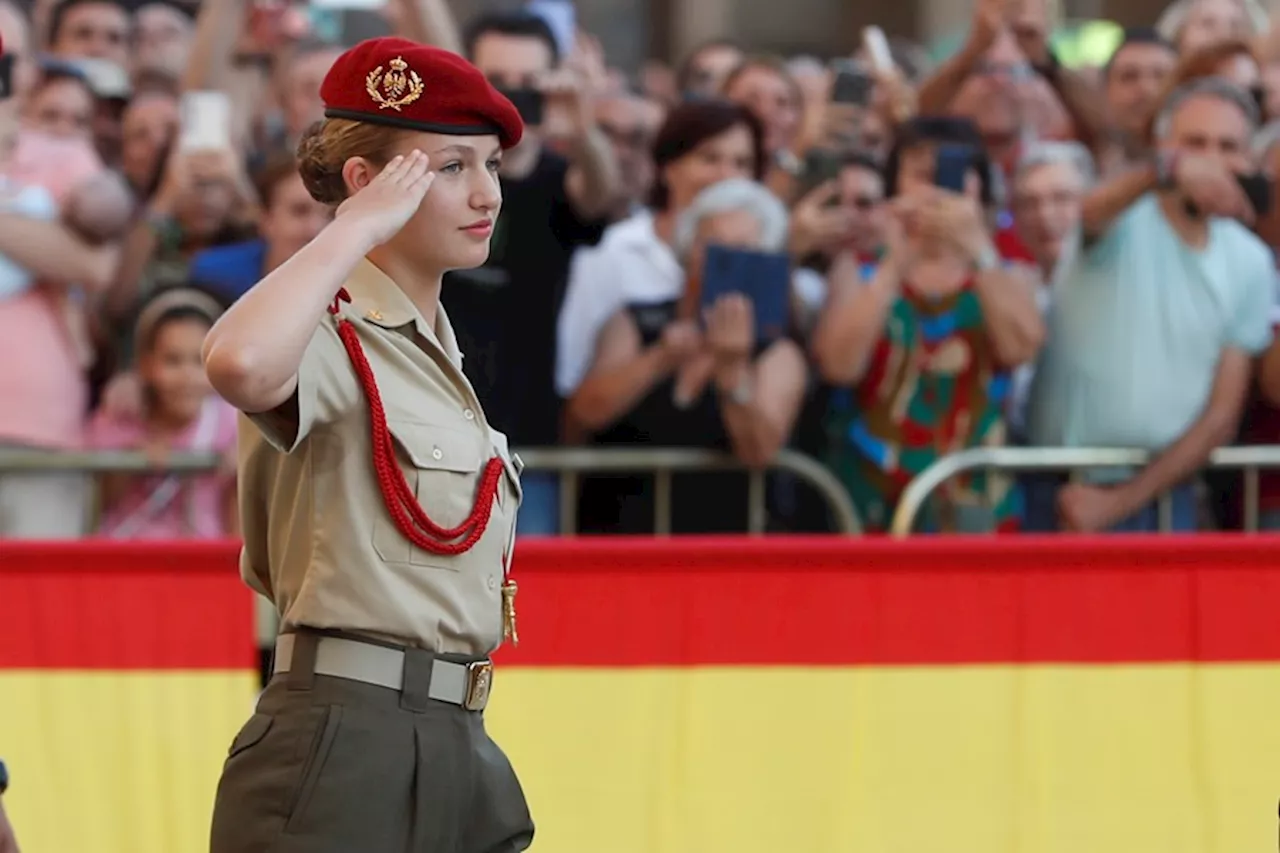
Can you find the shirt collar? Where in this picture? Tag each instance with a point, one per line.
(378, 300)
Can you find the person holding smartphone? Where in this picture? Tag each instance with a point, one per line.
(556, 202)
(687, 368)
(919, 356)
(378, 506)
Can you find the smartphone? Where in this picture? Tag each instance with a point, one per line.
(561, 17)
(530, 103)
(852, 86)
(6, 75)
(951, 168)
(1257, 188)
(820, 166)
(205, 121)
(764, 277)
(877, 46)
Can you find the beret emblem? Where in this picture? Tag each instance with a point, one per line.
(397, 87)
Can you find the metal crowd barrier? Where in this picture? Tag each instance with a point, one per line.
(1249, 459)
(664, 462)
(570, 462)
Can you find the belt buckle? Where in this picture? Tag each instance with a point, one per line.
(479, 683)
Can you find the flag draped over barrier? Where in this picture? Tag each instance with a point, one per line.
(680, 695)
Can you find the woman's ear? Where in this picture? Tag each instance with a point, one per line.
(357, 172)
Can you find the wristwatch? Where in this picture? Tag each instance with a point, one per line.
(988, 260)
(788, 162)
(4, 778)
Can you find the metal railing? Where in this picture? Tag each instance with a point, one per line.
(570, 462)
(665, 462)
(1249, 459)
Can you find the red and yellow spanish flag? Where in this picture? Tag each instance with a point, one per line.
(125, 671)
(827, 696)
(672, 696)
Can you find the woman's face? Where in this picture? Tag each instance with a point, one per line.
(456, 220)
(773, 100)
(62, 108)
(1211, 21)
(730, 154)
(150, 123)
(173, 369)
(733, 229)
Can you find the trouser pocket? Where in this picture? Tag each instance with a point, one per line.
(328, 719)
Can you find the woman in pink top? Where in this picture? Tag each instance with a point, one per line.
(180, 413)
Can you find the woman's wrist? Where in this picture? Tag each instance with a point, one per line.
(732, 373)
(351, 235)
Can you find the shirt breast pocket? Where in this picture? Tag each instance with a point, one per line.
(442, 468)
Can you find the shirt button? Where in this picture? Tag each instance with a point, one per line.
(493, 582)
(469, 415)
(437, 455)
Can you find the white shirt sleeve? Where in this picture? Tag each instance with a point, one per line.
(591, 298)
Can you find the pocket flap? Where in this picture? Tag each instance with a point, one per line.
(252, 732)
(433, 448)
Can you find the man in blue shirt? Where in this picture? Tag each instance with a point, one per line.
(1153, 330)
(291, 218)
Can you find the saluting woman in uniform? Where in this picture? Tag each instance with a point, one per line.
(378, 504)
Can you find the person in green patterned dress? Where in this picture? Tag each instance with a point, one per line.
(919, 356)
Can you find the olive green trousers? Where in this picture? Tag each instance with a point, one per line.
(330, 765)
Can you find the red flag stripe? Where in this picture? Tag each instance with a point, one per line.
(711, 601)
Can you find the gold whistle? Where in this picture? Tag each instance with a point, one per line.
(509, 590)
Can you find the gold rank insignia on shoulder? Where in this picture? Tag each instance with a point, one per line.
(398, 87)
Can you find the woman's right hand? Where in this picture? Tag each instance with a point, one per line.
(819, 223)
(385, 204)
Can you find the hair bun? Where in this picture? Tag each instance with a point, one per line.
(319, 175)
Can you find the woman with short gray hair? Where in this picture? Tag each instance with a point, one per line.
(735, 195)
(680, 373)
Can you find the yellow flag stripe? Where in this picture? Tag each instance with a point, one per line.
(990, 759)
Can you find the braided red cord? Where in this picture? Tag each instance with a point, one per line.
(400, 500)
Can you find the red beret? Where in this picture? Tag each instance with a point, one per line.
(400, 83)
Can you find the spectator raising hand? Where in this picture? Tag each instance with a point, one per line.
(1211, 187)
(818, 223)
(944, 217)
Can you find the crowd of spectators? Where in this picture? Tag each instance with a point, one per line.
(999, 250)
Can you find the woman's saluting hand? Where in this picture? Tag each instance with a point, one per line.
(386, 203)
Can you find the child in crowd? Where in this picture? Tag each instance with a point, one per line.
(18, 195)
(180, 412)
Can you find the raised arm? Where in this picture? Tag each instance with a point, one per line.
(253, 353)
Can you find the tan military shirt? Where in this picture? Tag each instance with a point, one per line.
(318, 538)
